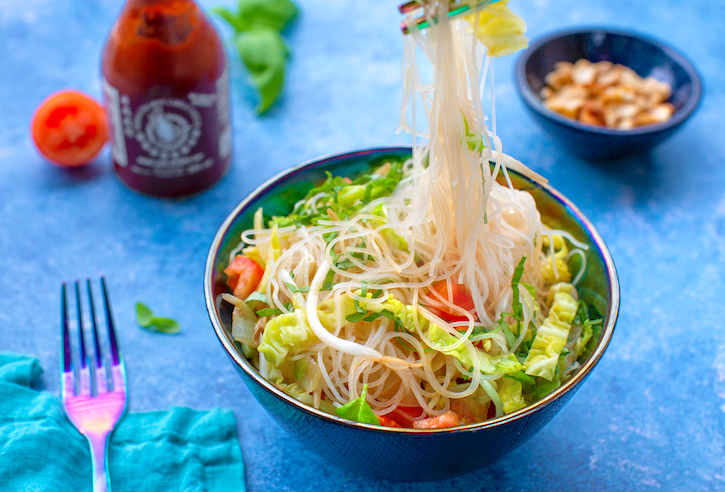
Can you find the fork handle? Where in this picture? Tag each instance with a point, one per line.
(99, 445)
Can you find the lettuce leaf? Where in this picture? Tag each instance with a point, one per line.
(511, 395)
(342, 196)
(500, 29)
(552, 335)
(488, 364)
(284, 334)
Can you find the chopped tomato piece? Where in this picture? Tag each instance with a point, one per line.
(69, 128)
(404, 416)
(243, 276)
(448, 419)
(461, 297)
(387, 421)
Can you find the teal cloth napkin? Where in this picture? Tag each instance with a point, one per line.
(176, 450)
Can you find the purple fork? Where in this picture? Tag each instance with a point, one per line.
(92, 406)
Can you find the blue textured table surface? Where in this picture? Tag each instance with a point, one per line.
(649, 417)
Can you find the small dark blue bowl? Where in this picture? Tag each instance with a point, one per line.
(395, 453)
(643, 55)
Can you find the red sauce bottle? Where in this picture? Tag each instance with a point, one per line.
(167, 92)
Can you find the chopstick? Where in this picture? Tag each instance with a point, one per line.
(422, 22)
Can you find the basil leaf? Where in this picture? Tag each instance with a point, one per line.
(233, 19)
(274, 14)
(264, 53)
(144, 315)
(147, 319)
(358, 410)
(257, 25)
(165, 325)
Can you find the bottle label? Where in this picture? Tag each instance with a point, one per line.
(169, 137)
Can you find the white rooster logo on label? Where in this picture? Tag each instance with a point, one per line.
(167, 128)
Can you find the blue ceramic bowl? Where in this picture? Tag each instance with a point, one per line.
(643, 55)
(392, 453)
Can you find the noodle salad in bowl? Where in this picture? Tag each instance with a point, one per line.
(339, 298)
(409, 302)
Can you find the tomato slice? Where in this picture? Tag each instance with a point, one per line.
(243, 276)
(387, 421)
(460, 297)
(69, 128)
(398, 415)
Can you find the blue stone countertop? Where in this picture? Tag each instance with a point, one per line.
(651, 416)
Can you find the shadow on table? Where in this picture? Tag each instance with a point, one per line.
(58, 178)
(664, 177)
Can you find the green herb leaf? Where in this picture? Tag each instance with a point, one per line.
(294, 289)
(232, 18)
(268, 312)
(516, 306)
(147, 319)
(359, 410)
(355, 317)
(144, 315)
(478, 330)
(165, 325)
(257, 25)
(531, 289)
(510, 337)
(274, 14)
(392, 317)
(521, 377)
(264, 53)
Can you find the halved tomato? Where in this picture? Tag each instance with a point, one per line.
(69, 128)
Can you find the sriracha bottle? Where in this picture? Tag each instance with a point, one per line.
(167, 92)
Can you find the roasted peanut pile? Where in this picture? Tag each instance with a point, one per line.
(605, 94)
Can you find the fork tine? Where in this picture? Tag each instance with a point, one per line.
(118, 369)
(84, 375)
(99, 371)
(92, 307)
(67, 381)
